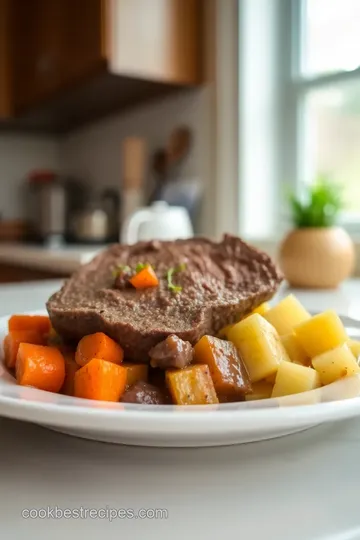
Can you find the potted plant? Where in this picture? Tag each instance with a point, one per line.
(317, 253)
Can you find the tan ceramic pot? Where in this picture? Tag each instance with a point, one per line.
(317, 257)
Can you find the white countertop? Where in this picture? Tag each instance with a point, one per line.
(300, 487)
(61, 259)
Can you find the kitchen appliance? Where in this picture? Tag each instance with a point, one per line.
(98, 220)
(50, 200)
(157, 222)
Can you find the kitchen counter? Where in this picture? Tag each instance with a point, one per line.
(62, 260)
(300, 487)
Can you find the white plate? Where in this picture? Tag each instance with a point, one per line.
(167, 425)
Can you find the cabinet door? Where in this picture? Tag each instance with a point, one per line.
(5, 74)
(158, 39)
(84, 39)
(35, 49)
(54, 43)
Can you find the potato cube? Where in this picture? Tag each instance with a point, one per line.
(286, 315)
(321, 333)
(271, 379)
(295, 350)
(259, 345)
(260, 390)
(224, 332)
(294, 379)
(336, 364)
(263, 308)
(191, 386)
(354, 346)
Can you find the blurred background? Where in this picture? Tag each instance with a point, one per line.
(113, 112)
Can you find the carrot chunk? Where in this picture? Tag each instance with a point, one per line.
(135, 373)
(98, 345)
(71, 368)
(145, 278)
(100, 380)
(37, 323)
(40, 366)
(13, 340)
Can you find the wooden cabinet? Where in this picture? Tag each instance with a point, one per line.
(59, 58)
(53, 44)
(157, 39)
(5, 76)
(83, 39)
(35, 50)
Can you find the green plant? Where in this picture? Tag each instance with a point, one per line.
(319, 206)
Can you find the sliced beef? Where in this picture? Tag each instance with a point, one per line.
(173, 352)
(219, 282)
(145, 393)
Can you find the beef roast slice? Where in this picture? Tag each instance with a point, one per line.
(220, 283)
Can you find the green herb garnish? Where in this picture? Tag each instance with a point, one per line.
(141, 266)
(169, 275)
(180, 268)
(121, 269)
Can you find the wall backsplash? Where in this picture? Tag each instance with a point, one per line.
(19, 154)
(94, 152)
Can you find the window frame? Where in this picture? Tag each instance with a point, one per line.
(297, 88)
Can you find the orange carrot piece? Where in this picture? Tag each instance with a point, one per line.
(145, 278)
(13, 340)
(98, 345)
(135, 373)
(40, 366)
(38, 323)
(100, 380)
(71, 367)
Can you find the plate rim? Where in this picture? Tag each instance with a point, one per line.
(41, 406)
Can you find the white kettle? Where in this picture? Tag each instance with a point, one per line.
(157, 222)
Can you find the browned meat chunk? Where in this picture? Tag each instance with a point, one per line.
(145, 393)
(173, 352)
(203, 286)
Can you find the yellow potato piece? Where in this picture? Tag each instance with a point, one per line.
(260, 390)
(259, 345)
(224, 332)
(263, 308)
(336, 364)
(294, 379)
(271, 379)
(295, 350)
(192, 385)
(321, 333)
(286, 315)
(354, 347)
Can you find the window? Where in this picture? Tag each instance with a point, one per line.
(324, 91)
